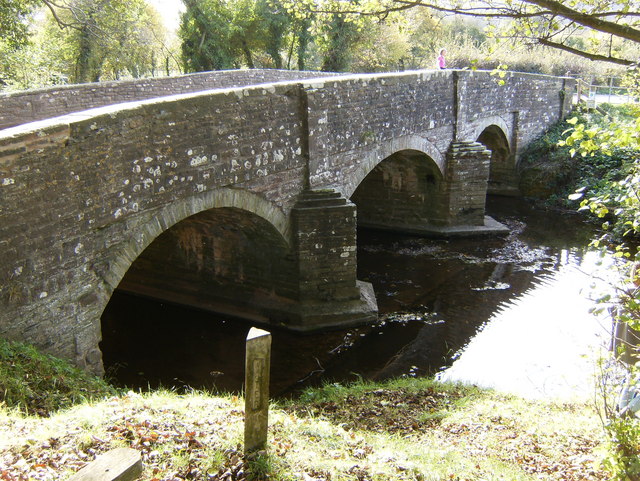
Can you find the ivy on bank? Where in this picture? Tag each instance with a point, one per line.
(552, 173)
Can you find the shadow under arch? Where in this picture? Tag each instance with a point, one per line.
(386, 149)
(405, 192)
(502, 171)
(183, 237)
(220, 263)
(177, 211)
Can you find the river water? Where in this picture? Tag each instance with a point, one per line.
(509, 312)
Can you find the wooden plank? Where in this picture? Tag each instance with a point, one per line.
(120, 464)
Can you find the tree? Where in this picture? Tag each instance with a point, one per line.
(277, 23)
(382, 46)
(545, 22)
(14, 15)
(218, 34)
(204, 33)
(106, 39)
(338, 35)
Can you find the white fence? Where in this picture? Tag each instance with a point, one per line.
(610, 92)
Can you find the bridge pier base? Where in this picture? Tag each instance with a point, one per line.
(465, 184)
(404, 194)
(324, 239)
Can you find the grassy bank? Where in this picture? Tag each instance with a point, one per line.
(550, 173)
(35, 383)
(413, 429)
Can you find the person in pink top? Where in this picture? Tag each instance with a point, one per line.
(442, 64)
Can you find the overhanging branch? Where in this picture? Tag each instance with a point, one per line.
(594, 20)
(581, 53)
(588, 20)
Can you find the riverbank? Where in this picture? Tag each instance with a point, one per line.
(406, 429)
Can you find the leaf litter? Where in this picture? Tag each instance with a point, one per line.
(195, 437)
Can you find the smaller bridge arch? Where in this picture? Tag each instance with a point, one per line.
(386, 149)
(494, 122)
(497, 137)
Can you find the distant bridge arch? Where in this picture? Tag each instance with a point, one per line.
(494, 123)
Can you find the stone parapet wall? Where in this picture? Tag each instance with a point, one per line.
(27, 106)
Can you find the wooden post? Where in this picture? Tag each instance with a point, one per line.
(579, 93)
(256, 382)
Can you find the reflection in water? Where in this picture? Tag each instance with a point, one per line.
(523, 292)
(544, 342)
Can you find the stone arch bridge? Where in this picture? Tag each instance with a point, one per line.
(237, 191)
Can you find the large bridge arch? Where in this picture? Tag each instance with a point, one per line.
(161, 222)
(224, 260)
(175, 212)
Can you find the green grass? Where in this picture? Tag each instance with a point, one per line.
(37, 383)
(404, 429)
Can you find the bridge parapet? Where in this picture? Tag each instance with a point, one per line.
(32, 105)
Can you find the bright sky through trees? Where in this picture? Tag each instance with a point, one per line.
(170, 11)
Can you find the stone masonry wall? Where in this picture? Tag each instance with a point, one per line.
(355, 122)
(81, 199)
(82, 196)
(27, 106)
(527, 103)
(350, 118)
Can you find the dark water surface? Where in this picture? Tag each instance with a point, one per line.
(436, 298)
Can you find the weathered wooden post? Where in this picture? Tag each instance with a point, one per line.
(256, 382)
(120, 464)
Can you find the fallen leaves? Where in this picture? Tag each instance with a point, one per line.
(199, 439)
(385, 410)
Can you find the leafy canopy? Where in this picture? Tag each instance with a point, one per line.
(604, 26)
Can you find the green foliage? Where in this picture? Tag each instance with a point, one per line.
(88, 41)
(620, 455)
(616, 135)
(608, 30)
(337, 35)
(37, 383)
(92, 40)
(14, 26)
(550, 171)
(204, 31)
(619, 203)
(219, 34)
(622, 459)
